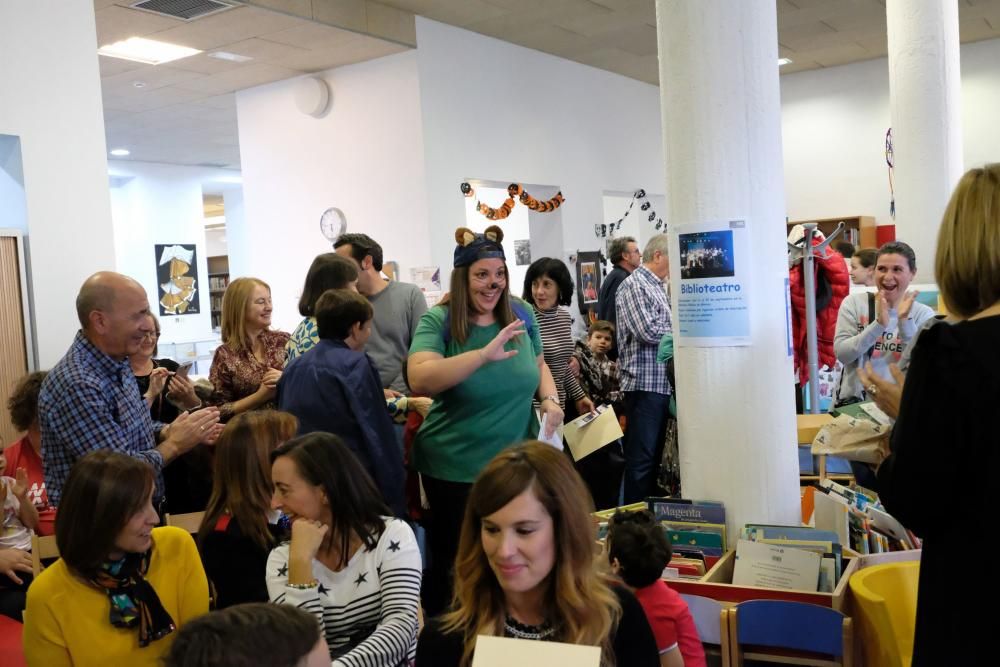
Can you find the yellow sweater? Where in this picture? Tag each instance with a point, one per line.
(66, 620)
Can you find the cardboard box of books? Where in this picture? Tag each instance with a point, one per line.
(795, 563)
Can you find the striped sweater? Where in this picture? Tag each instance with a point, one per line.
(368, 610)
(556, 329)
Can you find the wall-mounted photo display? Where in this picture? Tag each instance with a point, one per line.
(177, 276)
(588, 280)
(522, 252)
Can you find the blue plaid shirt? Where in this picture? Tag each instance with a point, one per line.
(643, 319)
(87, 402)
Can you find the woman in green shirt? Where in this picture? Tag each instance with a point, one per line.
(479, 354)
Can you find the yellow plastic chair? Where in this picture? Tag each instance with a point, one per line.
(886, 597)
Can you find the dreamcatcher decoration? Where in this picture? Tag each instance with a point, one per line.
(889, 160)
(514, 190)
(603, 230)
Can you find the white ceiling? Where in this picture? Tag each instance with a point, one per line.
(185, 111)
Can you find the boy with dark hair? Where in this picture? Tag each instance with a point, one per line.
(598, 373)
(335, 387)
(602, 470)
(638, 550)
(257, 633)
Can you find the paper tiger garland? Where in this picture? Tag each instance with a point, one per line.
(514, 190)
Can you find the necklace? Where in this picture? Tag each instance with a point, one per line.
(513, 628)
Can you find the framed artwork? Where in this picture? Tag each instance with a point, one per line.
(588, 280)
(177, 278)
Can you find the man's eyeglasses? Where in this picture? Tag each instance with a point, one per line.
(153, 335)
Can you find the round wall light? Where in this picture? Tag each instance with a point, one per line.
(312, 96)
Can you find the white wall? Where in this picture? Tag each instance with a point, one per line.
(636, 224)
(215, 242)
(515, 228)
(834, 122)
(50, 98)
(496, 111)
(160, 203)
(366, 157)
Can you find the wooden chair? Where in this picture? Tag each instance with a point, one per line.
(712, 622)
(42, 548)
(793, 633)
(190, 522)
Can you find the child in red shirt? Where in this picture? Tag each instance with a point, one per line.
(638, 551)
(26, 452)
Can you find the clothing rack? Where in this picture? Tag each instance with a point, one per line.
(809, 254)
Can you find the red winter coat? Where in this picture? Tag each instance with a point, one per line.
(833, 270)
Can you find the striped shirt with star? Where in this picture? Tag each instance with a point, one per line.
(368, 610)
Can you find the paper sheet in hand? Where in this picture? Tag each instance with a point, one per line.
(504, 652)
(586, 434)
(556, 439)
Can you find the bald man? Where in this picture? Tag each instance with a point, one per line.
(90, 399)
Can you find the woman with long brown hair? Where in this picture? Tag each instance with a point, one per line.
(526, 568)
(247, 366)
(240, 528)
(479, 354)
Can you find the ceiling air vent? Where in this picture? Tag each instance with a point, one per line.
(185, 10)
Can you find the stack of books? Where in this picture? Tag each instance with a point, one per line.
(760, 565)
(858, 518)
(696, 530)
(603, 516)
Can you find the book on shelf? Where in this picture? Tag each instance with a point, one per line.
(680, 509)
(776, 566)
(825, 544)
(858, 517)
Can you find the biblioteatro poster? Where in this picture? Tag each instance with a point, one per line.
(710, 269)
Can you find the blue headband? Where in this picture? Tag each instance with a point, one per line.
(480, 248)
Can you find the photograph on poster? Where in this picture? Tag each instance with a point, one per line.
(707, 255)
(522, 252)
(588, 281)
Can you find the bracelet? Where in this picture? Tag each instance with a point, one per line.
(551, 397)
(304, 587)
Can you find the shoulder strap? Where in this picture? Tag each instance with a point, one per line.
(871, 318)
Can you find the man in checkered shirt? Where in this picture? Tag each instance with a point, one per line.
(90, 399)
(643, 319)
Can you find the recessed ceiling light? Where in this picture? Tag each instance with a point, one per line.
(147, 51)
(120, 152)
(139, 84)
(784, 61)
(231, 57)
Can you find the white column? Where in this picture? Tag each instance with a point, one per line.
(50, 98)
(722, 139)
(925, 106)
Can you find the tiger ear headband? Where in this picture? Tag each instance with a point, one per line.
(472, 246)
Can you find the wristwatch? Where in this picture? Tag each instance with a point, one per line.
(551, 397)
